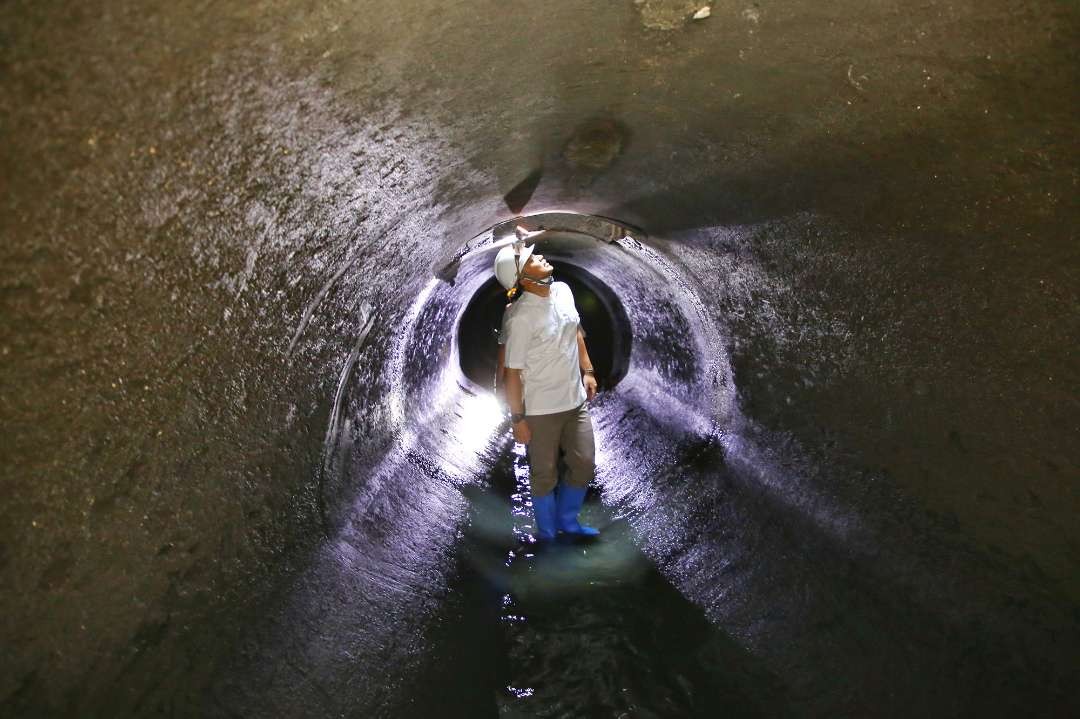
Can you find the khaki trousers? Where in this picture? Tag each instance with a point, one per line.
(573, 432)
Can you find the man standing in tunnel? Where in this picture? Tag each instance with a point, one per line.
(549, 378)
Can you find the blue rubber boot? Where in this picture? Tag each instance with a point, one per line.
(569, 504)
(544, 509)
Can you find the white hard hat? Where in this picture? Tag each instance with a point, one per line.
(509, 263)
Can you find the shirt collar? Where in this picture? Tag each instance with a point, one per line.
(531, 298)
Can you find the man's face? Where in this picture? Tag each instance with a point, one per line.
(537, 268)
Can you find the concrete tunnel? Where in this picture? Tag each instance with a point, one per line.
(825, 251)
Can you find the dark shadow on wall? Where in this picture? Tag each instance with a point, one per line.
(885, 604)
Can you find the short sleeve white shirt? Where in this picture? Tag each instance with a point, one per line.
(540, 335)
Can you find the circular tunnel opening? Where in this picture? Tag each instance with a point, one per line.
(603, 319)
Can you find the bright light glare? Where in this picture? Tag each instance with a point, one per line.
(480, 415)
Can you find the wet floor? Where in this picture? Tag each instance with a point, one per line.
(574, 629)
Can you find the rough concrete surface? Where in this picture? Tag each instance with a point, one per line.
(231, 486)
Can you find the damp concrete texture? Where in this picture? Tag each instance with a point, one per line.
(243, 474)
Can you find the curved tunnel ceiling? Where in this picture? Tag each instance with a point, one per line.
(245, 476)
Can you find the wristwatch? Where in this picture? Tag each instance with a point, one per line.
(515, 418)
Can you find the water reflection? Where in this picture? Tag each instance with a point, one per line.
(560, 629)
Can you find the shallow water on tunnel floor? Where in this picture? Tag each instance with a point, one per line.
(573, 629)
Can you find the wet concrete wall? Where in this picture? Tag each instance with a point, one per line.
(214, 219)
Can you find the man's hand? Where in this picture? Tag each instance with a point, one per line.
(590, 386)
(522, 433)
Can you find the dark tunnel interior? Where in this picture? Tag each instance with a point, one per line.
(603, 320)
(825, 254)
